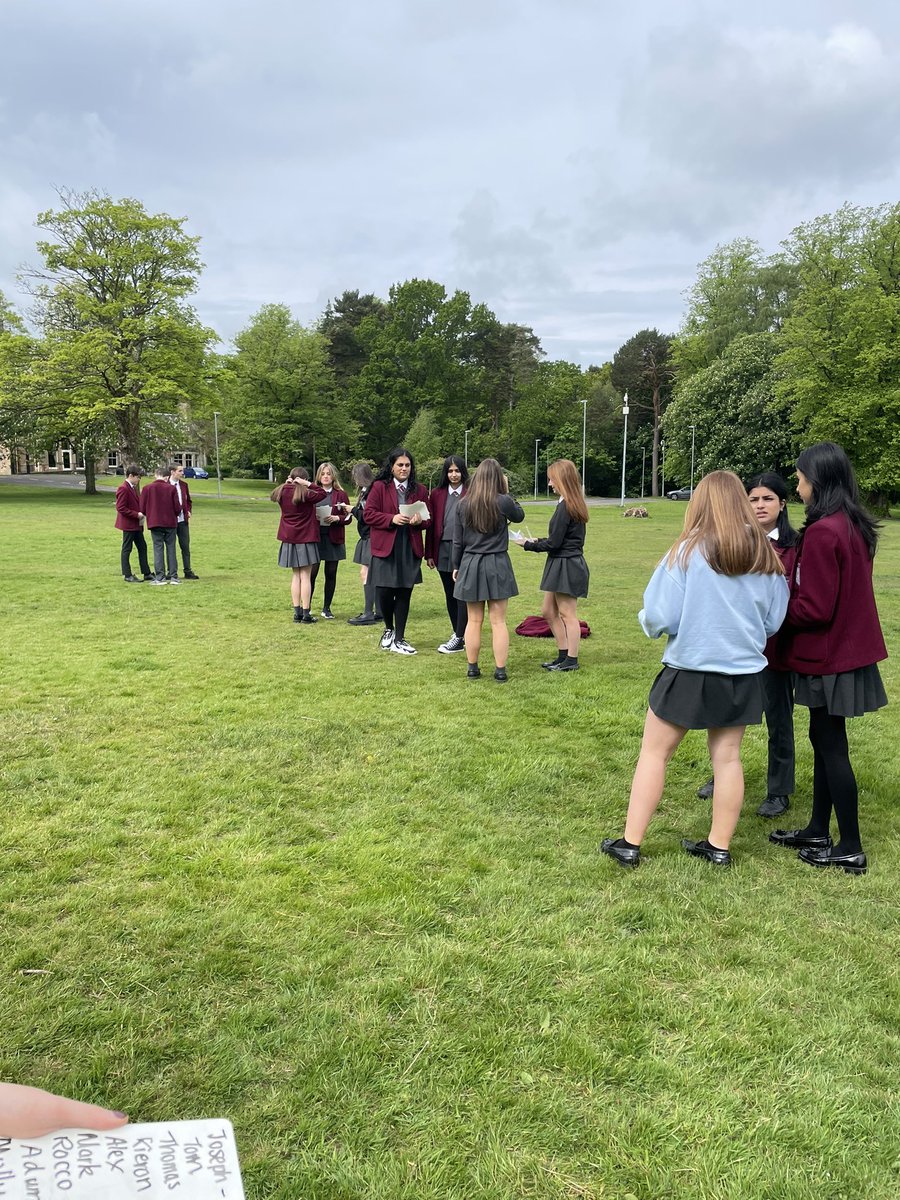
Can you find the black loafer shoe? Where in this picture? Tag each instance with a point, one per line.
(718, 858)
(625, 856)
(472, 671)
(794, 838)
(363, 618)
(500, 675)
(773, 806)
(853, 864)
(705, 792)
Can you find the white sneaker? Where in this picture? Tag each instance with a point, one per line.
(174, 579)
(402, 646)
(453, 645)
(159, 582)
(387, 639)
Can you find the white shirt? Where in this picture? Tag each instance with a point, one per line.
(176, 484)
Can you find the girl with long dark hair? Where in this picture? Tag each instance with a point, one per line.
(443, 504)
(397, 549)
(833, 642)
(482, 571)
(718, 595)
(298, 532)
(566, 574)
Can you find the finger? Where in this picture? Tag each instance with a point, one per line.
(33, 1113)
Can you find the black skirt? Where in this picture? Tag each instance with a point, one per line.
(848, 694)
(568, 576)
(706, 700)
(328, 551)
(401, 568)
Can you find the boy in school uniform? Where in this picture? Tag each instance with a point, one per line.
(161, 509)
(182, 529)
(130, 519)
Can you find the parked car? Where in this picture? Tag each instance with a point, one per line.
(682, 493)
(199, 473)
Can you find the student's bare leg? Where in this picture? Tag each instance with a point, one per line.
(567, 606)
(660, 741)
(728, 790)
(475, 611)
(550, 613)
(305, 586)
(499, 632)
(295, 587)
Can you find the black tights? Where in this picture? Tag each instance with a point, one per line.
(395, 609)
(330, 581)
(456, 609)
(834, 784)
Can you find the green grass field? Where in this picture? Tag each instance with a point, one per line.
(354, 902)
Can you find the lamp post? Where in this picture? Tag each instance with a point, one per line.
(693, 429)
(466, 450)
(583, 442)
(624, 442)
(663, 488)
(537, 442)
(643, 464)
(218, 468)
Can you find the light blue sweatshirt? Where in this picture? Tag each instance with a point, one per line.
(714, 622)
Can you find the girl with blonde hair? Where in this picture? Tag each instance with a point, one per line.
(332, 534)
(566, 574)
(718, 595)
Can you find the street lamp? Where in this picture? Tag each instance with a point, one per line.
(624, 442)
(583, 442)
(663, 488)
(466, 450)
(537, 442)
(218, 468)
(693, 429)
(643, 463)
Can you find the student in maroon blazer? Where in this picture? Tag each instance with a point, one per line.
(183, 528)
(130, 519)
(332, 535)
(161, 510)
(442, 500)
(298, 532)
(832, 639)
(397, 549)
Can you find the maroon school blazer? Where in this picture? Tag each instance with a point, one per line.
(774, 649)
(337, 534)
(832, 623)
(298, 521)
(382, 506)
(437, 506)
(186, 504)
(127, 507)
(160, 501)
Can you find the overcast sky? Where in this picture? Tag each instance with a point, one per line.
(568, 162)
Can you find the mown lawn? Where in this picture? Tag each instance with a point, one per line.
(354, 902)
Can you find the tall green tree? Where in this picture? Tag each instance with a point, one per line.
(281, 404)
(839, 366)
(644, 368)
(738, 290)
(348, 350)
(732, 408)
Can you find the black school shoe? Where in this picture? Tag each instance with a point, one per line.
(773, 806)
(133, 579)
(796, 839)
(501, 676)
(364, 618)
(853, 864)
(712, 854)
(472, 671)
(625, 856)
(705, 790)
(190, 575)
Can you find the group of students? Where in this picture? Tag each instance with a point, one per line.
(165, 506)
(757, 617)
(466, 525)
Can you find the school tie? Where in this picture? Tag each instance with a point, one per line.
(401, 493)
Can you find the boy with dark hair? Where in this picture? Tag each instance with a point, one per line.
(182, 529)
(130, 519)
(161, 508)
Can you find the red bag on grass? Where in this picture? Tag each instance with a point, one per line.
(538, 627)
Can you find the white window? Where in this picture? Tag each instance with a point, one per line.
(112, 459)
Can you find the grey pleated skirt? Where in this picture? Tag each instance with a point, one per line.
(706, 700)
(848, 694)
(569, 576)
(485, 577)
(363, 552)
(401, 568)
(445, 556)
(328, 551)
(298, 554)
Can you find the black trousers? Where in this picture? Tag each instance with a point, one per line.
(778, 704)
(456, 609)
(183, 533)
(135, 538)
